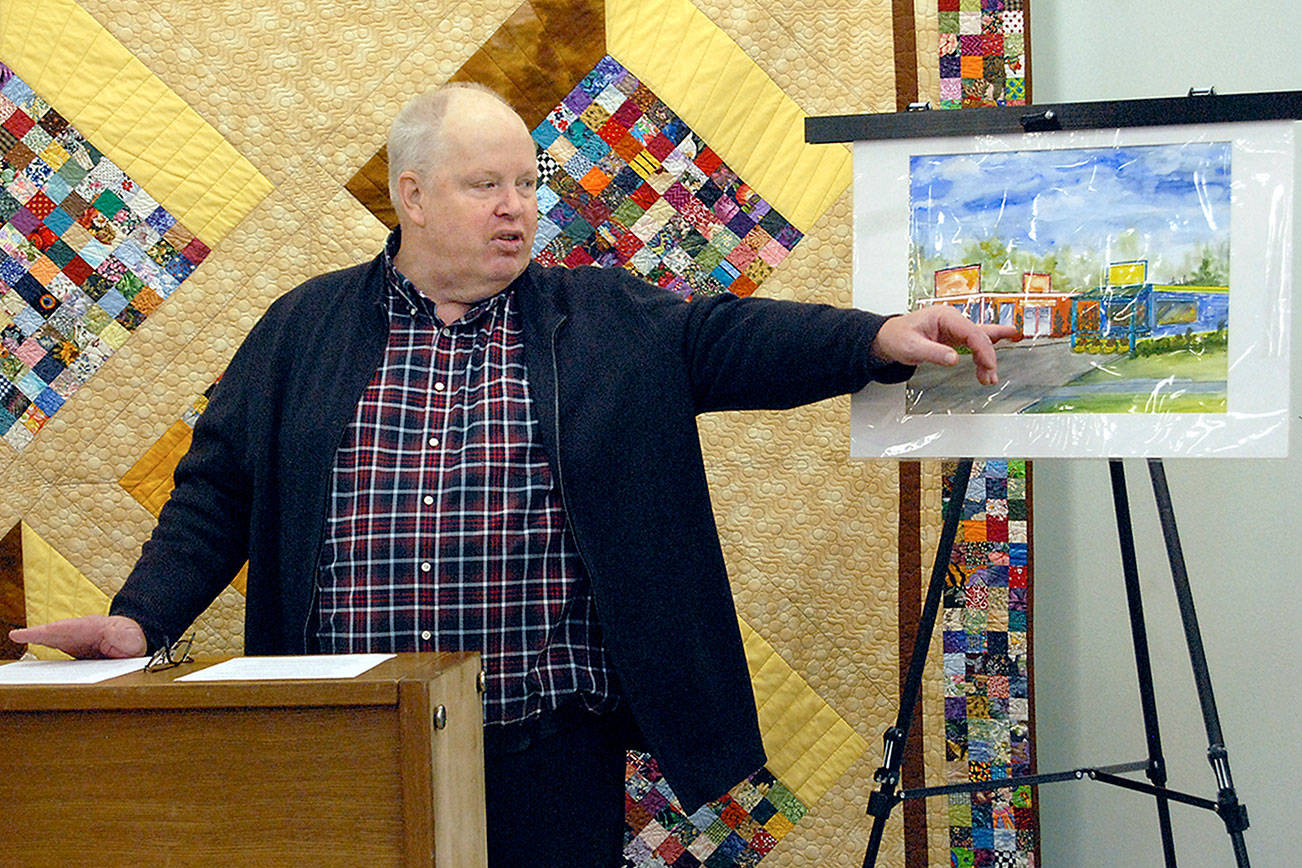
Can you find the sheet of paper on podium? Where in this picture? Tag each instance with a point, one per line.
(68, 671)
(288, 667)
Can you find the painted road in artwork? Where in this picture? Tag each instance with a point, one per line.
(1046, 376)
(1112, 262)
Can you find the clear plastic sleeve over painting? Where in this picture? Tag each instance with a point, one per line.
(1147, 270)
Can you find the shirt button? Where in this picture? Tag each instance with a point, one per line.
(424, 568)
(425, 634)
(433, 441)
(428, 499)
(438, 387)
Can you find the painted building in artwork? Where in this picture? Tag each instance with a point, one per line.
(1037, 310)
(1128, 310)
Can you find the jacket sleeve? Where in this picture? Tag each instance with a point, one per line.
(201, 538)
(761, 353)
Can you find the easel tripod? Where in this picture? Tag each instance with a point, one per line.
(1235, 816)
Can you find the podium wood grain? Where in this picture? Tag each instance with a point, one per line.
(147, 770)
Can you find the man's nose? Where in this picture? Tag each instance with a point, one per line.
(513, 201)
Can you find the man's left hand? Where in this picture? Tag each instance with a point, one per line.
(91, 636)
(931, 334)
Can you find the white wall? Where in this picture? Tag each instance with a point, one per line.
(1238, 519)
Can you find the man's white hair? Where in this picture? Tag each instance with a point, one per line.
(416, 135)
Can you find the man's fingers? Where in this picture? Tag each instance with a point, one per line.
(70, 638)
(1003, 332)
(41, 635)
(924, 350)
(911, 340)
(930, 336)
(980, 340)
(959, 331)
(983, 353)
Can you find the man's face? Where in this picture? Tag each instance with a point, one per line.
(483, 210)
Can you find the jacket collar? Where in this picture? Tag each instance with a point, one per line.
(540, 305)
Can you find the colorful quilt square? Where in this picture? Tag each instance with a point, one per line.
(695, 239)
(982, 52)
(739, 829)
(74, 277)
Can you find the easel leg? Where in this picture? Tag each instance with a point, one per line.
(1156, 771)
(1234, 814)
(884, 799)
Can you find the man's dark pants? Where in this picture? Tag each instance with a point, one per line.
(560, 800)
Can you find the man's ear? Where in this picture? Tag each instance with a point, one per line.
(411, 197)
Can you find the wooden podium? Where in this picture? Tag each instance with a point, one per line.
(382, 769)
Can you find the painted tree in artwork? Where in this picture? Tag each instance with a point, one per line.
(1207, 266)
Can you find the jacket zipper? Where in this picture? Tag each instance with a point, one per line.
(316, 575)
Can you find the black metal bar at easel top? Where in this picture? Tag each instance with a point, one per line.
(1198, 108)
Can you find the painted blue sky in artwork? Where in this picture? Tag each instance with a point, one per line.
(1174, 197)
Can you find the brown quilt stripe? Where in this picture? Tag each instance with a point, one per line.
(538, 54)
(910, 610)
(371, 187)
(13, 603)
(906, 54)
(534, 59)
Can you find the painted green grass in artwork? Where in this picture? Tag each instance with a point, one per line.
(1133, 404)
(1209, 365)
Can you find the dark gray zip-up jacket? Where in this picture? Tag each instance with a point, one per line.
(617, 371)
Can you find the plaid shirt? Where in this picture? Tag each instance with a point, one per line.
(445, 530)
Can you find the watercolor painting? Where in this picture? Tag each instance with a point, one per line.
(1113, 262)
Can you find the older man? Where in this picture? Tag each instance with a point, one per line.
(451, 448)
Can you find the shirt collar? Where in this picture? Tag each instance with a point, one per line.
(402, 296)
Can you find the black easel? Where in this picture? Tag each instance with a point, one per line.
(885, 798)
